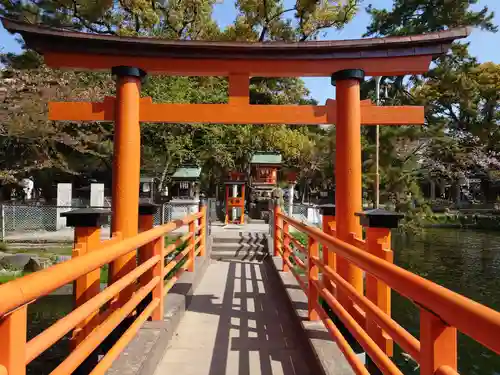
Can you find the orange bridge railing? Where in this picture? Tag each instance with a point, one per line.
(137, 296)
(322, 269)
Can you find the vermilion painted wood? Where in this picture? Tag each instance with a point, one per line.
(438, 342)
(348, 197)
(13, 331)
(404, 339)
(471, 318)
(126, 173)
(239, 89)
(89, 285)
(237, 113)
(312, 277)
(383, 66)
(192, 247)
(329, 257)
(23, 290)
(277, 230)
(378, 242)
(376, 354)
(55, 332)
(286, 246)
(202, 223)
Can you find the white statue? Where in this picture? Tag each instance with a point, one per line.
(27, 185)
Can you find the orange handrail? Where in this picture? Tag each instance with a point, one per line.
(25, 289)
(407, 342)
(150, 273)
(443, 312)
(451, 307)
(51, 335)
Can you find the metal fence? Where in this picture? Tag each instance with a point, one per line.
(41, 217)
(304, 212)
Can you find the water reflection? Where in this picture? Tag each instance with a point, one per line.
(465, 261)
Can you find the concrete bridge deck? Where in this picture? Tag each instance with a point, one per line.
(238, 322)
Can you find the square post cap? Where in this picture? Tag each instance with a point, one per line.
(86, 217)
(147, 208)
(379, 218)
(327, 209)
(128, 71)
(340, 75)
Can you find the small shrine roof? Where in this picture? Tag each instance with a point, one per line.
(266, 158)
(187, 173)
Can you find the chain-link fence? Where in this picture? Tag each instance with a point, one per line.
(304, 212)
(41, 217)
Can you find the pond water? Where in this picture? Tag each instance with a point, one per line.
(465, 261)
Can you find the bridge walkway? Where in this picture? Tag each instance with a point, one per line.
(237, 323)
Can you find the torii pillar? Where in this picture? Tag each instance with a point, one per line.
(348, 190)
(126, 166)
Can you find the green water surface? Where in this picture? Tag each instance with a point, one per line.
(465, 261)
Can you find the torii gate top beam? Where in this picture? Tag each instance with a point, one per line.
(376, 56)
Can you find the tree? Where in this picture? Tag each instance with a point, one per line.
(31, 144)
(174, 19)
(423, 16)
(446, 86)
(218, 149)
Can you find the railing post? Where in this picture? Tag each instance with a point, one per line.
(438, 343)
(202, 223)
(87, 223)
(313, 275)
(146, 222)
(156, 247)
(378, 224)
(329, 258)
(157, 270)
(286, 245)
(192, 240)
(277, 229)
(13, 333)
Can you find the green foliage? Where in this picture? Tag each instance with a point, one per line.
(56, 151)
(460, 101)
(423, 16)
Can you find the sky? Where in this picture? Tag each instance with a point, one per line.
(483, 45)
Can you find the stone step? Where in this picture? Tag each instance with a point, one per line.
(257, 221)
(239, 246)
(235, 254)
(240, 240)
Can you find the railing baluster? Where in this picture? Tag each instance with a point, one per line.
(202, 222)
(277, 231)
(87, 223)
(329, 258)
(146, 222)
(191, 243)
(286, 245)
(377, 243)
(313, 274)
(378, 224)
(13, 331)
(438, 343)
(157, 271)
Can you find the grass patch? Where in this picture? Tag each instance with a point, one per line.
(42, 251)
(6, 278)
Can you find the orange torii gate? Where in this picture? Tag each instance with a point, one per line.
(346, 62)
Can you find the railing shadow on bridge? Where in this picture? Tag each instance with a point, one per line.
(253, 322)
